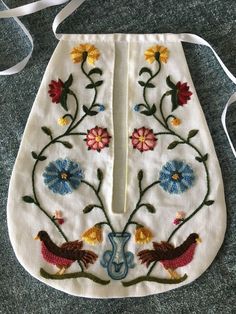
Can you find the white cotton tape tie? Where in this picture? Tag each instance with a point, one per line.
(68, 10)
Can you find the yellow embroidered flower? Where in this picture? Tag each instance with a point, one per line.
(93, 235)
(85, 52)
(143, 235)
(175, 121)
(156, 53)
(63, 121)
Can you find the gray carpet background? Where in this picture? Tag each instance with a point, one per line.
(215, 20)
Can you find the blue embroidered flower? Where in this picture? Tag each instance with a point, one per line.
(62, 176)
(176, 177)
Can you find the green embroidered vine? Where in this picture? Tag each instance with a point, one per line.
(59, 92)
(151, 209)
(179, 95)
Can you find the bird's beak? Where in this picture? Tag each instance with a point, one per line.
(198, 240)
(36, 238)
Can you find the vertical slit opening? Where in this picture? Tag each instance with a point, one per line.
(120, 116)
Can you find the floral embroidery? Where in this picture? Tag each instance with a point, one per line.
(63, 176)
(97, 138)
(175, 121)
(143, 139)
(93, 235)
(183, 93)
(156, 53)
(176, 177)
(180, 93)
(179, 217)
(85, 52)
(55, 91)
(63, 121)
(58, 217)
(143, 235)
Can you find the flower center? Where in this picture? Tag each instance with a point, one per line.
(98, 138)
(157, 55)
(175, 176)
(142, 139)
(85, 54)
(64, 175)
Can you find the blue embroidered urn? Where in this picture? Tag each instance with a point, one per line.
(118, 261)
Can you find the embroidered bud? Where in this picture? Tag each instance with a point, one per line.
(63, 121)
(93, 235)
(143, 235)
(137, 108)
(101, 108)
(175, 121)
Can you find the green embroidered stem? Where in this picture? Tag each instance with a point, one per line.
(153, 279)
(148, 81)
(82, 274)
(94, 97)
(139, 205)
(76, 111)
(161, 109)
(101, 203)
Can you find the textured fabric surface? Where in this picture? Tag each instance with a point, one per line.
(214, 291)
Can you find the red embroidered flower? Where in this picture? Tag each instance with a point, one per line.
(55, 91)
(183, 93)
(143, 139)
(97, 138)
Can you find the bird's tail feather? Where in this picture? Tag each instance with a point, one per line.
(148, 256)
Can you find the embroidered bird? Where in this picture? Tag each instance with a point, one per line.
(66, 254)
(169, 256)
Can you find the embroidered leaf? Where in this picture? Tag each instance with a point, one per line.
(67, 144)
(34, 155)
(64, 100)
(89, 112)
(41, 158)
(209, 203)
(140, 175)
(28, 199)
(204, 158)
(88, 208)
(89, 86)
(173, 145)
(99, 174)
(98, 83)
(150, 85)
(95, 71)
(141, 83)
(69, 82)
(192, 133)
(149, 112)
(150, 208)
(46, 130)
(170, 83)
(145, 70)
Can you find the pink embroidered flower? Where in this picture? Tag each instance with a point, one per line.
(143, 139)
(97, 138)
(183, 93)
(55, 90)
(179, 217)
